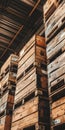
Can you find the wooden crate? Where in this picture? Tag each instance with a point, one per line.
(7, 98)
(57, 63)
(56, 74)
(35, 110)
(39, 79)
(8, 77)
(55, 21)
(13, 59)
(29, 83)
(35, 40)
(36, 56)
(55, 43)
(49, 8)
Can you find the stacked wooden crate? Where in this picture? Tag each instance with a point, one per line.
(55, 39)
(7, 91)
(31, 111)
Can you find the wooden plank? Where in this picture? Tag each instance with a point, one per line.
(56, 49)
(32, 76)
(54, 75)
(55, 41)
(58, 111)
(57, 63)
(27, 121)
(59, 120)
(58, 103)
(49, 8)
(36, 55)
(25, 110)
(55, 21)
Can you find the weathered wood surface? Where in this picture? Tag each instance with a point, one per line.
(35, 56)
(55, 43)
(8, 77)
(55, 21)
(57, 63)
(58, 111)
(61, 78)
(56, 74)
(59, 120)
(35, 110)
(33, 76)
(56, 49)
(30, 83)
(50, 7)
(35, 40)
(58, 103)
(12, 59)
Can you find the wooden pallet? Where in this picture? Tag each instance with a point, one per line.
(13, 59)
(49, 7)
(57, 63)
(7, 98)
(33, 108)
(57, 84)
(55, 21)
(56, 74)
(56, 51)
(55, 42)
(57, 95)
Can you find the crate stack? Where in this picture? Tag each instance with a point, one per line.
(55, 38)
(7, 91)
(31, 110)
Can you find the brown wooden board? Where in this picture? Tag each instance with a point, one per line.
(58, 103)
(55, 21)
(59, 120)
(49, 8)
(58, 111)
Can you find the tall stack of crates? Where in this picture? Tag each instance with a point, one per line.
(31, 109)
(8, 79)
(55, 39)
